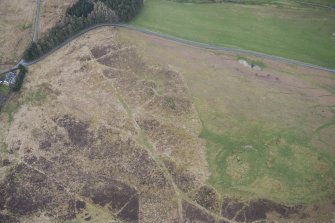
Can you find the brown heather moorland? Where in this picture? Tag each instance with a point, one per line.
(107, 130)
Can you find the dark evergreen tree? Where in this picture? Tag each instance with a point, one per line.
(19, 78)
(81, 8)
(79, 16)
(32, 52)
(125, 9)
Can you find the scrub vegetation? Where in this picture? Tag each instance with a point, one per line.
(121, 126)
(192, 135)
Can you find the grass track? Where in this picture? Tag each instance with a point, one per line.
(303, 34)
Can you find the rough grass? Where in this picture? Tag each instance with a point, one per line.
(124, 111)
(51, 12)
(4, 90)
(301, 33)
(271, 167)
(31, 97)
(260, 127)
(16, 18)
(10, 108)
(25, 26)
(3, 148)
(259, 143)
(35, 96)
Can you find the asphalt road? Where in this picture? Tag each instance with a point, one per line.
(316, 5)
(37, 19)
(177, 40)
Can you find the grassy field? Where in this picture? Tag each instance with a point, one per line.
(329, 3)
(260, 142)
(300, 33)
(262, 128)
(275, 164)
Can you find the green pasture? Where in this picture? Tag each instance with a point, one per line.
(289, 30)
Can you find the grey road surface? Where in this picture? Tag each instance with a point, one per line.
(37, 19)
(177, 40)
(313, 4)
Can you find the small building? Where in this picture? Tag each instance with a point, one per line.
(9, 78)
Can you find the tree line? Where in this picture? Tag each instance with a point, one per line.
(83, 14)
(125, 9)
(81, 8)
(19, 78)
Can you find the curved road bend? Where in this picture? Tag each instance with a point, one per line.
(177, 40)
(35, 35)
(186, 42)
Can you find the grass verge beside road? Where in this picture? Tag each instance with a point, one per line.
(4, 90)
(300, 33)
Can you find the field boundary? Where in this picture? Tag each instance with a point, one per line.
(177, 40)
(315, 5)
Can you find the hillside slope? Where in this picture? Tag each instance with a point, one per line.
(104, 130)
